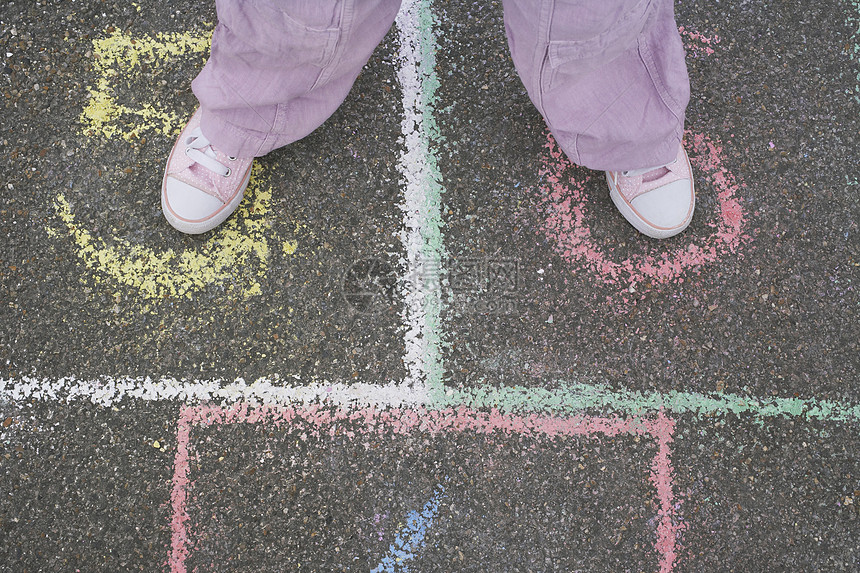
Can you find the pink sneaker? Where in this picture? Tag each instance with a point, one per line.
(659, 201)
(202, 186)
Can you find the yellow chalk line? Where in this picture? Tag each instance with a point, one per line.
(237, 253)
(119, 54)
(230, 255)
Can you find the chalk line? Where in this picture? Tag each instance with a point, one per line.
(563, 399)
(109, 391)
(567, 398)
(315, 421)
(410, 539)
(422, 206)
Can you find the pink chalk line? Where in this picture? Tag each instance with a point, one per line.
(698, 43)
(318, 421)
(565, 202)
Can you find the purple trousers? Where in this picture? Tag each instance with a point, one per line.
(608, 76)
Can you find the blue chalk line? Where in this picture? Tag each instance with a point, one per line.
(410, 539)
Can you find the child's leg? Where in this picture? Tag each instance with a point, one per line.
(611, 82)
(278, 70)
(609, 77)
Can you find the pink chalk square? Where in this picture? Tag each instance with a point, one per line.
(206, 498)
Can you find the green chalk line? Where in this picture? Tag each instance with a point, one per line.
(574, 398)
(567, 398)
(433, 251)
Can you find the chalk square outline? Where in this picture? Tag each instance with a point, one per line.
(321, 420)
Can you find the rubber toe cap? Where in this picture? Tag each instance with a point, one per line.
(668, 207)
(190, 203)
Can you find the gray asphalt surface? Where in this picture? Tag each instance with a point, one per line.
(747, 360)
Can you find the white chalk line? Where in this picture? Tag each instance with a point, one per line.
(109, 391)
(567, 399)
(421, 236)
(417, 175)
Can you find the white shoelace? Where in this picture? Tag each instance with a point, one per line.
(198, 148)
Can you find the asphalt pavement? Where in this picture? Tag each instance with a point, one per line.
(426, 341)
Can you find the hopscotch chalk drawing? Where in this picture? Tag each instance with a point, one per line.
(351, 422)
(118, 55)
(238, 251)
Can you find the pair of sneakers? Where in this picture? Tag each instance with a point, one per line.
(202, 187)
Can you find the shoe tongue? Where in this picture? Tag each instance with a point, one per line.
(654, 174)
(647, 172)
(201, 144)
(206, 174)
